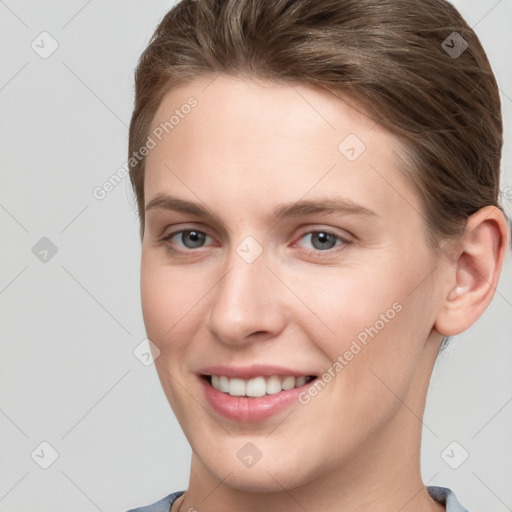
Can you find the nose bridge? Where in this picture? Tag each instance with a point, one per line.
(245, 301)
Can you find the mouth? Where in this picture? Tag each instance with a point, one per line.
(256, 387)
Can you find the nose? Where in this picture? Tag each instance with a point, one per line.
(246, 304)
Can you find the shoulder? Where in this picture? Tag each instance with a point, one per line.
(446, 497)
(441, 494)
(163, 505)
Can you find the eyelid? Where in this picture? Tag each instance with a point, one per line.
(179, 227)
(331, 231)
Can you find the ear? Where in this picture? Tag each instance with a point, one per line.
(474, 275)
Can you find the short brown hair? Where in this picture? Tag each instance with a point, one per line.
(404, 61)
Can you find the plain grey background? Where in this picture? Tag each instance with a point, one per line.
(71, 319)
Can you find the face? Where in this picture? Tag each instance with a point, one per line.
(281, 240)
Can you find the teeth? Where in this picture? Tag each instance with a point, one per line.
(255, 387)
(237, 387)
(288, 383)
(273, 385)
(300, 381)
(223, 384)
(258, 386)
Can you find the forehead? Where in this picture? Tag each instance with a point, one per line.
(264, 140)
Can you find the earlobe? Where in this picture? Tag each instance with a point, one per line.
(475, 271)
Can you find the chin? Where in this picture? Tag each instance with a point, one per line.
(265, 476)
(258, 481)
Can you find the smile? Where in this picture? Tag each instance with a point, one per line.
(253, 399)
(257, 386)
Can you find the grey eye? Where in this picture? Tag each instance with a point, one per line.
(322, 240)
(192, 239)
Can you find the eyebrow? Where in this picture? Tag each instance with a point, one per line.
(329, 205)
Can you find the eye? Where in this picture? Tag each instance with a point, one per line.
(322, 241)
(319, 241)
(189, 238)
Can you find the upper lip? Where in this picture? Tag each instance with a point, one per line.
(249, 372)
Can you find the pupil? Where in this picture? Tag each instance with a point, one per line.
(324, 242)
(196, 237)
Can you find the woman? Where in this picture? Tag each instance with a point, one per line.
(317, 184)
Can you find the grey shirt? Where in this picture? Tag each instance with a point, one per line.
(441, 494)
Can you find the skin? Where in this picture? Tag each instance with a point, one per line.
(245, 148)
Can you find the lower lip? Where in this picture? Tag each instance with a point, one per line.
(248, 409)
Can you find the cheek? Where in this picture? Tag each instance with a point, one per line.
(351, 304)
(166, 300)
(169, 304)
(372, 356)
(370, 319)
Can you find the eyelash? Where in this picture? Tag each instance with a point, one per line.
(311, 252)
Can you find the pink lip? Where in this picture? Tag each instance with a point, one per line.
(250, 409)
(249, 372)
